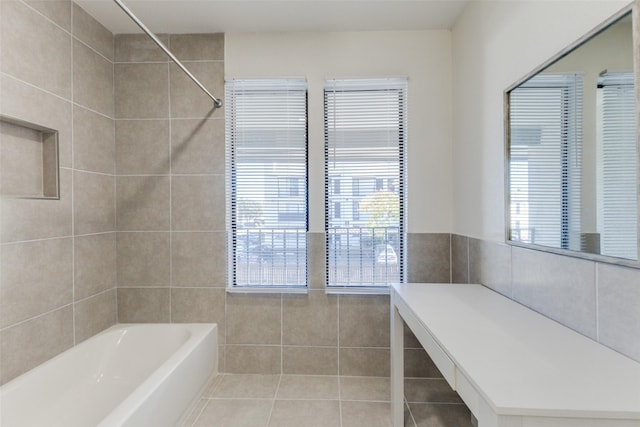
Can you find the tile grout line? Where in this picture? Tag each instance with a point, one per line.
(61, 98)
(115, 180)
(73, 189)
(410, 412)
(170, 187)
(340, 399)
(273, 403)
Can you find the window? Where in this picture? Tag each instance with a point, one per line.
(617, 195)
(266, 139)
(365, 137)
(546, 149)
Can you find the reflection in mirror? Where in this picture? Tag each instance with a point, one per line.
(572, 155)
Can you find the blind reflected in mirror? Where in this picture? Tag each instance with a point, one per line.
(572, 152)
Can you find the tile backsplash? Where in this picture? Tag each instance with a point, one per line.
(596, 299)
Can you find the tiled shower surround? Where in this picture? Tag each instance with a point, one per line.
(58, 263)
(138, 234)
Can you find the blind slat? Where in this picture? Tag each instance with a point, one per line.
(546, 160)
(365, 132)
(266, 138)
(618, 205)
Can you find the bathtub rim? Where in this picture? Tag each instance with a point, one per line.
(129, 403)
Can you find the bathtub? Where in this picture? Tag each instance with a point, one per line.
(129, 375)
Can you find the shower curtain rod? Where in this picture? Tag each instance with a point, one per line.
(217, 103)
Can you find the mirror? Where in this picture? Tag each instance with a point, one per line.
(572, 155)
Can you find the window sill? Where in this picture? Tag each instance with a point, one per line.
(266, 290)
(359, 290)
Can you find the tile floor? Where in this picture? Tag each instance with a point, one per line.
(235, 400)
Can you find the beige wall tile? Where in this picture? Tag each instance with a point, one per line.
(429, 257)
(429, 390)
(253, 319)
(310, 360)
(21, 161)
(143, 259)
(91, 32)
(139, 48)
(618, 313)
(142, 91)
(187, 99)
(364, 321)
(34, 49)
(94, 202)
(142, 203)
(440, 415)
(253, 359)
(142, 147)
(316, 260)
(310, 320)
(95, 314)
(197, 146)
(31, 343)
(198, 46)
(459, 259)
(560, 287)
(198, 305)
(221, 352)
(371, 362)
(308, 413)
(198, 259)
(92, 79)
(35, 277)
(197, 203)
(29, 219)
(94, 264)
(93, 141)
(36, 106)
(410, 340)
(490, 265)
(418, 364)
(144, 305)
(59, 11)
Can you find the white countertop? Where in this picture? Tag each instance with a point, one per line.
(521, 362)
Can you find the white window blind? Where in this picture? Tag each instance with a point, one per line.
(266, 139)
(618, 203)
(365, 137)
(546, 161)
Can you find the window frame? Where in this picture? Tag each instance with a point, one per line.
(288, 199)
(360, 184)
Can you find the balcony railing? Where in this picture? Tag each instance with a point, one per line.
(363, 256)
(270, 257)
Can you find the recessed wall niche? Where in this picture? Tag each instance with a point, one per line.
(28, 160)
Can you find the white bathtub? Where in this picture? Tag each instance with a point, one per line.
(129, 375)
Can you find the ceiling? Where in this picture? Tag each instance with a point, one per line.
(205, 16)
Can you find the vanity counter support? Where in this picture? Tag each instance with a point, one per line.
(510, 365)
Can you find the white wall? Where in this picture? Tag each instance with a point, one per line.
(423, 56)
(495, 43)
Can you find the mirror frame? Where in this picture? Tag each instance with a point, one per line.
(634, 9)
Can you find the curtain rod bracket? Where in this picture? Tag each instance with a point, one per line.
(217, 103)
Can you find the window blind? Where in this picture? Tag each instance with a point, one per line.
(266, 139)
(365, 137)
(546, 160)
(618, 203)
